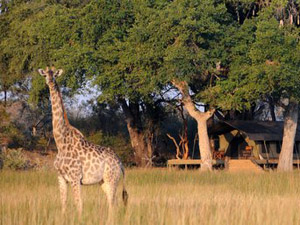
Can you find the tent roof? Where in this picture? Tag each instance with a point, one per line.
(255, 130)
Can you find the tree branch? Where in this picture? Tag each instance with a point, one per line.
(182, 86)
(178, 154)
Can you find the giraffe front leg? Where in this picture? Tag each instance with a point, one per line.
(77, 196)
(63, 192)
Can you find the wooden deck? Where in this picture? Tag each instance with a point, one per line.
(178, 162)
(273, 161)
(197, 162)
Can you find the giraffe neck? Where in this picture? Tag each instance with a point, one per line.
(60, 120)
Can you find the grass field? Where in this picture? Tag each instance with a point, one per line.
(157, 197)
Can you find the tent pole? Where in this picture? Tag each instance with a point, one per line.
(267, 151)
(280, 143)
(195, 139)
(297, 155)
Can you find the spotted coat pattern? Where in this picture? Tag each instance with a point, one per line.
(78, 161)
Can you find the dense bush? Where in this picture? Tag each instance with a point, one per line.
(14, 159)
(9, 133)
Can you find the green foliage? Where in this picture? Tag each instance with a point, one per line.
(10, 135)
(14, 159)
(132, 50)
(195, 29)
(264, 62)
(42, 143)
(276, 59)
(37, 35)
(179, 39)
(7, 79)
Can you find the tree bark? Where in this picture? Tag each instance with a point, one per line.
(272, 108)
(140, 141)
(289, 132)
(201, 118)
(204, 145)
(184, 137)
(139, 146)
(178, 153)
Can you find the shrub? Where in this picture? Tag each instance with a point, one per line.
(42, 144)
(14, 159)
(10, 134)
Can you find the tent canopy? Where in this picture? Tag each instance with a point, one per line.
(255, 130)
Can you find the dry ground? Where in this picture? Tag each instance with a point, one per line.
(158, 196)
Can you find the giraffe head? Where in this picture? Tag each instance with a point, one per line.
(50, 75)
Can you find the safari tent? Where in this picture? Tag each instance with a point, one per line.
(256, 140)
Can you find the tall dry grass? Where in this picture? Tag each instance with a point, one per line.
(157, 197)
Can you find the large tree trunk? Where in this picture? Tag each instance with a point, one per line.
(139, 145)
(204, 145)
(201, 118)
(289, 132)
(184, 137)
(140, 140)
(272, 108)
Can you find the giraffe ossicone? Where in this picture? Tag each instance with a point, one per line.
(78, 161)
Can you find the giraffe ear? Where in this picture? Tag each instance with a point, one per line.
(58, 73)
(42, 72)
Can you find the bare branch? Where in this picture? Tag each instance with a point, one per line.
(178, 153)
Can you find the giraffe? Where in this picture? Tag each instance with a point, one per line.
(78, 161)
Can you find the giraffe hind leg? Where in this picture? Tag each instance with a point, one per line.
(110, 192)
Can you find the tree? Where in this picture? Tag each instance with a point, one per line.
(7, 77)
(201, 118)
(118, 80)
(265, 65)
(191, 49)
(122, 68)
(165, 41)
(280, 66)
(171, 41)
(85, 43)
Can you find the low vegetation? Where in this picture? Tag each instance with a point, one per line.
(157, 197)
(14, 159)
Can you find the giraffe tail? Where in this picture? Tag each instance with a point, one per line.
(124, 192)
